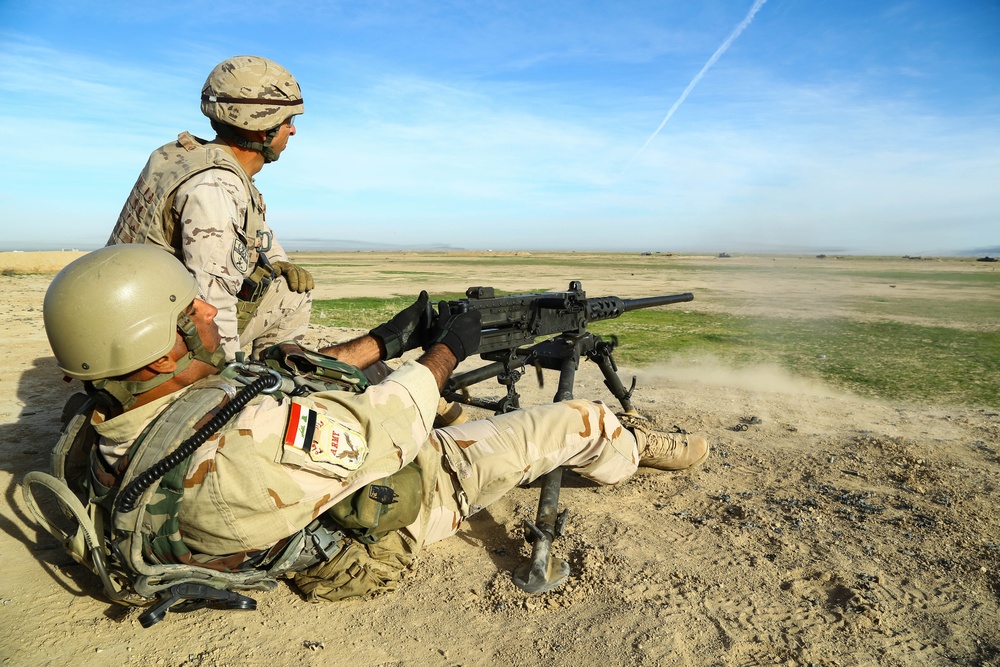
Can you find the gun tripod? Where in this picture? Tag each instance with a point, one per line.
(562, 353)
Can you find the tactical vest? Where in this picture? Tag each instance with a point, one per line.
(147, 216)
(139, 553)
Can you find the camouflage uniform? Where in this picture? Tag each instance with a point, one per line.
(194, 200)
(253, 484)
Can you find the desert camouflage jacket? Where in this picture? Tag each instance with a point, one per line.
(281, 462)
(194, 200)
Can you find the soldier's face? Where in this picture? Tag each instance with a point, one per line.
(286, 130)
(203, 315)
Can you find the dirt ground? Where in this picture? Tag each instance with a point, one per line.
(836, 531)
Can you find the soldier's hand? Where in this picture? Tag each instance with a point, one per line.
(298, 279)
(459, 332)
(408, 330)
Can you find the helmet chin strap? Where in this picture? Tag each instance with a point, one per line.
(230, 134)
(196, 348)
(126, 392)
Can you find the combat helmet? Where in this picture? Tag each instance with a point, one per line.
(116, 309)
(250, 93)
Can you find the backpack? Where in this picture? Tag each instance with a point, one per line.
(121, 522)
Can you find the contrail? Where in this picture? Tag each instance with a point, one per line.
(694, 82)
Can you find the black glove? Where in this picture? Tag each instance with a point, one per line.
(298, 279)
(408, 330)
(459, 332)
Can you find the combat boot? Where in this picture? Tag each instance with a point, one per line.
(662, 450)
(449, 414)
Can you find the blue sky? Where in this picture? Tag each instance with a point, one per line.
(854, 126)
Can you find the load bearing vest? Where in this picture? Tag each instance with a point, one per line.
(147, 215)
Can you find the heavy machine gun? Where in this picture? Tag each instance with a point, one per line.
(510, 326)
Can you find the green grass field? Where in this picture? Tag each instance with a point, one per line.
(936, 339)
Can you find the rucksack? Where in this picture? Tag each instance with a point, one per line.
(121, 522)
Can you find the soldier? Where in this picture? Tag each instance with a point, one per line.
(127, 321)
(197, 200)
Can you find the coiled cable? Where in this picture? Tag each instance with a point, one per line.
(127, 497)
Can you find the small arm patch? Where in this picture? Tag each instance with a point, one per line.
(325, 439)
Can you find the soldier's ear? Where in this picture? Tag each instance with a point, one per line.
(252, 135)
(163, 365)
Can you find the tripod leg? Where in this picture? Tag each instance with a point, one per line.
(601, 355)
(542, 572)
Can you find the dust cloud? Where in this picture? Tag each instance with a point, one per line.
(710, 371)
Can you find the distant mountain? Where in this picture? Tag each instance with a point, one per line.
(334, 245)
(978, 252)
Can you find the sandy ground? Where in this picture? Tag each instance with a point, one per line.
(837, 531)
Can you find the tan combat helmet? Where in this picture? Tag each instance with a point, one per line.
(250, 93)
(116, 309)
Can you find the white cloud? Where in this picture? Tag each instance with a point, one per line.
(469, 157)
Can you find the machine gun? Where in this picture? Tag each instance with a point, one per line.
(510, 326)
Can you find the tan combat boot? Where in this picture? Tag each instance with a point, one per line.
(449, 414)
(665, 451)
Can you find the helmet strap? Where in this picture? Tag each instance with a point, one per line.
(196, 348)
(231, 134)
(126, 392)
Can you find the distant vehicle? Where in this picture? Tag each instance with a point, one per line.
(988, 259)
(724, 254)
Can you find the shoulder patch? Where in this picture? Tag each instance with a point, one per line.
(324, 438)
(241, 256)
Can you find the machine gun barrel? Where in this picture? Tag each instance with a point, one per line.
(609, 307)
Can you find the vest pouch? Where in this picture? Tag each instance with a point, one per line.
(251, 292)
(381, 507)
(358, 571)
(70, 455)
(319, 371)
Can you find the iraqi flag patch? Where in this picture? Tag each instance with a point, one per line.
(324, 438)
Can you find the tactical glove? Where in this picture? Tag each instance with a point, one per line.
(298, 279)
(460, 332)
(408, 330)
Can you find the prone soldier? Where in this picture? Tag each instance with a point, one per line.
(361, 475)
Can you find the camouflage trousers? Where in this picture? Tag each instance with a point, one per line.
(469, 466)
(283, 315)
